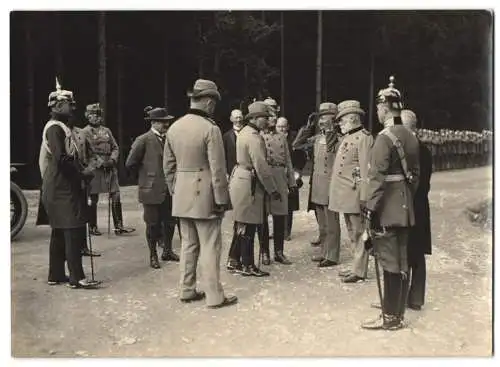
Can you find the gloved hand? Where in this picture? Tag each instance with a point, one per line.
(311, 120)
(367, 239)
(87, 175)
(276, 196)
(108, 163)
(299, 182)
(366, 217)
(219, 209)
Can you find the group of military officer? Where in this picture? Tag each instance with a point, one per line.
(251, 171)
(454, 149)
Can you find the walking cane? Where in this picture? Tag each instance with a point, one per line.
(89, 238)
(108, 181)
(365, 239)
(379, 286)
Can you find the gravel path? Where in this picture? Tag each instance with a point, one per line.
(299, 310)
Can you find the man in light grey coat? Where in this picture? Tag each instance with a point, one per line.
(349, 180)
(195, 171)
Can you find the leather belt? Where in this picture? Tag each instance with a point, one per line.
(277, 165)
(394, 178)
(184, 169)
(250, 169)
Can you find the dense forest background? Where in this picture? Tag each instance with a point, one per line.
(442, 61)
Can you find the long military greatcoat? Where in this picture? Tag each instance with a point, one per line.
(195, 166)
(420, 237)
(252, 177)
(229, 139)
(103, 147)
(278, 158)
(323, 157)
(299, 160)
(83, 155)
(63, 195)
(352, 154)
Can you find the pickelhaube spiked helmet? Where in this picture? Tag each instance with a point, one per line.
(390, 95)
(60, 95)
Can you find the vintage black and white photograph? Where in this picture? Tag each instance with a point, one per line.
(251, 183)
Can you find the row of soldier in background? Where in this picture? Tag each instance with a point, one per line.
(457, 149)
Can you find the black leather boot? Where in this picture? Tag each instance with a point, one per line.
(384, 322)
(168, 234)
(153, 255)
(281, 258)
(94, 231)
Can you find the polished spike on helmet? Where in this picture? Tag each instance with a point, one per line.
(390, 95)
(60, 95)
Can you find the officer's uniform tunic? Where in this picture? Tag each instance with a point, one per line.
(103, 147)
(390, 198)
(251, 177)
(195, 172)
(278, 158)
(347, 190)
(324, 155)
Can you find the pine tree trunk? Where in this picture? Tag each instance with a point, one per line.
(102, 61)
(371, 91)
(30, 78)
(119, 114)
(165, 71)
(282, 67)
(319, 58)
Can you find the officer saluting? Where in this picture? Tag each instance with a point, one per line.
(388, 213)
(104, 154)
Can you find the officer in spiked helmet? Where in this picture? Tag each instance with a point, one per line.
(388, 212)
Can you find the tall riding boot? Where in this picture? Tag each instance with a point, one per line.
(247, 255)
(116, 209)
(93, 215)
(152, 239)
(391, 311)
(263, 235)
(279, 239)
(234, 255)
(168, 235)
(405, 286)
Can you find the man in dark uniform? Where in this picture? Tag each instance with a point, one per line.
(146, 159)
(82, 145)
(419, 243)
(64, 193)
(104, 153)
(229, 139)
(388, 212)
(299, 160)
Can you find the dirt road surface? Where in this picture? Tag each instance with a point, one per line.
(300, 310)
